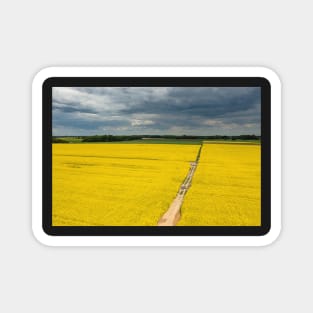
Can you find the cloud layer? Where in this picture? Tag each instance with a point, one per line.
(156, 110)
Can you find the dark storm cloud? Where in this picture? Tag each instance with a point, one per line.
(211, 102)
(156, 110)
(84, 121)
(68, 107)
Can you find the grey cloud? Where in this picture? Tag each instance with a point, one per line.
(68, 107)
(130, 110)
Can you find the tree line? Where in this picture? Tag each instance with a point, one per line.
(112, 138)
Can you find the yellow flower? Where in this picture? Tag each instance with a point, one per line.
(226, 187)
(116, 184)
(134, 184)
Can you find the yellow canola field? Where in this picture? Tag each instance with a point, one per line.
(226, 187)
(116, 184)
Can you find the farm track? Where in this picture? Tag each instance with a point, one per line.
(173, 214)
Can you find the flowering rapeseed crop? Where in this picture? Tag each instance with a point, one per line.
(116, 184)
(226, 188)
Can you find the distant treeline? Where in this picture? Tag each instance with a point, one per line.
(215, 137)
(109, 138)
(59, 140)
(112, 138)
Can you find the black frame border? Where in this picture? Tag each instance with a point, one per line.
(156, 82)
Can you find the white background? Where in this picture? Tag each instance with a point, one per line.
(37, 34)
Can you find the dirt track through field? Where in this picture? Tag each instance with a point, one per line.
(173, 214)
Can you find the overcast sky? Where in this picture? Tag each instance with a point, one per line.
(156, 110)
